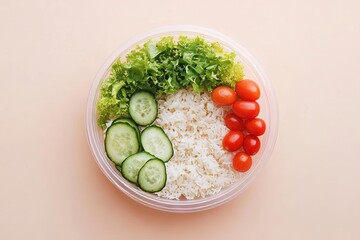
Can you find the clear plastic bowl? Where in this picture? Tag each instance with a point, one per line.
(269, 112)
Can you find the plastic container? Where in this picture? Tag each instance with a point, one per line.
(269, 112)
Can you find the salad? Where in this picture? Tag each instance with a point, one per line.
(179, 119)
(164, 67)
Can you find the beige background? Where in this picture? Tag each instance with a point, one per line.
(50, 186)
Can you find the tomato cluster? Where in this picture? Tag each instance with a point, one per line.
(243, 123)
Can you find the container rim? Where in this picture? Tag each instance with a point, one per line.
(186, 205)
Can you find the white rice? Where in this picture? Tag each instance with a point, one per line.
(195, 126)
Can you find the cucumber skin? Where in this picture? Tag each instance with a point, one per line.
(119, 119)
(172, 147)
(138, 184)
(106, 152)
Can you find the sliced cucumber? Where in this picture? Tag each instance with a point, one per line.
(132, 165)
(120, 142)
(152, 176)
(129, 121)
(155, 141)
(143, 108)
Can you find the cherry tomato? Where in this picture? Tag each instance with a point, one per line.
(247, 90)
(233, 122)
(223, 96)
(255, 126)
(251, 144)
(242, 162)
(246, 109)
(233, 141)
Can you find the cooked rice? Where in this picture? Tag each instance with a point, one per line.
(195, 126)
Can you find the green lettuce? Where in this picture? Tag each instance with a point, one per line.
(164, 67)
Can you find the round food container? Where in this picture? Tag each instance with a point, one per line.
(269, 112)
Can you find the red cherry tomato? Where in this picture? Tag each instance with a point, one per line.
(255, 126)
(233, 122)
(251, 144)
(242, 162)
(233, 141)
(246, 109)
(223, 96)
(247, 90)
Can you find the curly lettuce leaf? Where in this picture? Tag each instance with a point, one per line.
(164, 67)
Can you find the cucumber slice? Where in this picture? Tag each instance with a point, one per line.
(129, 121)
(152, 176)
(132, 165)
(120, 142)
(155, 141)
(143, 108)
